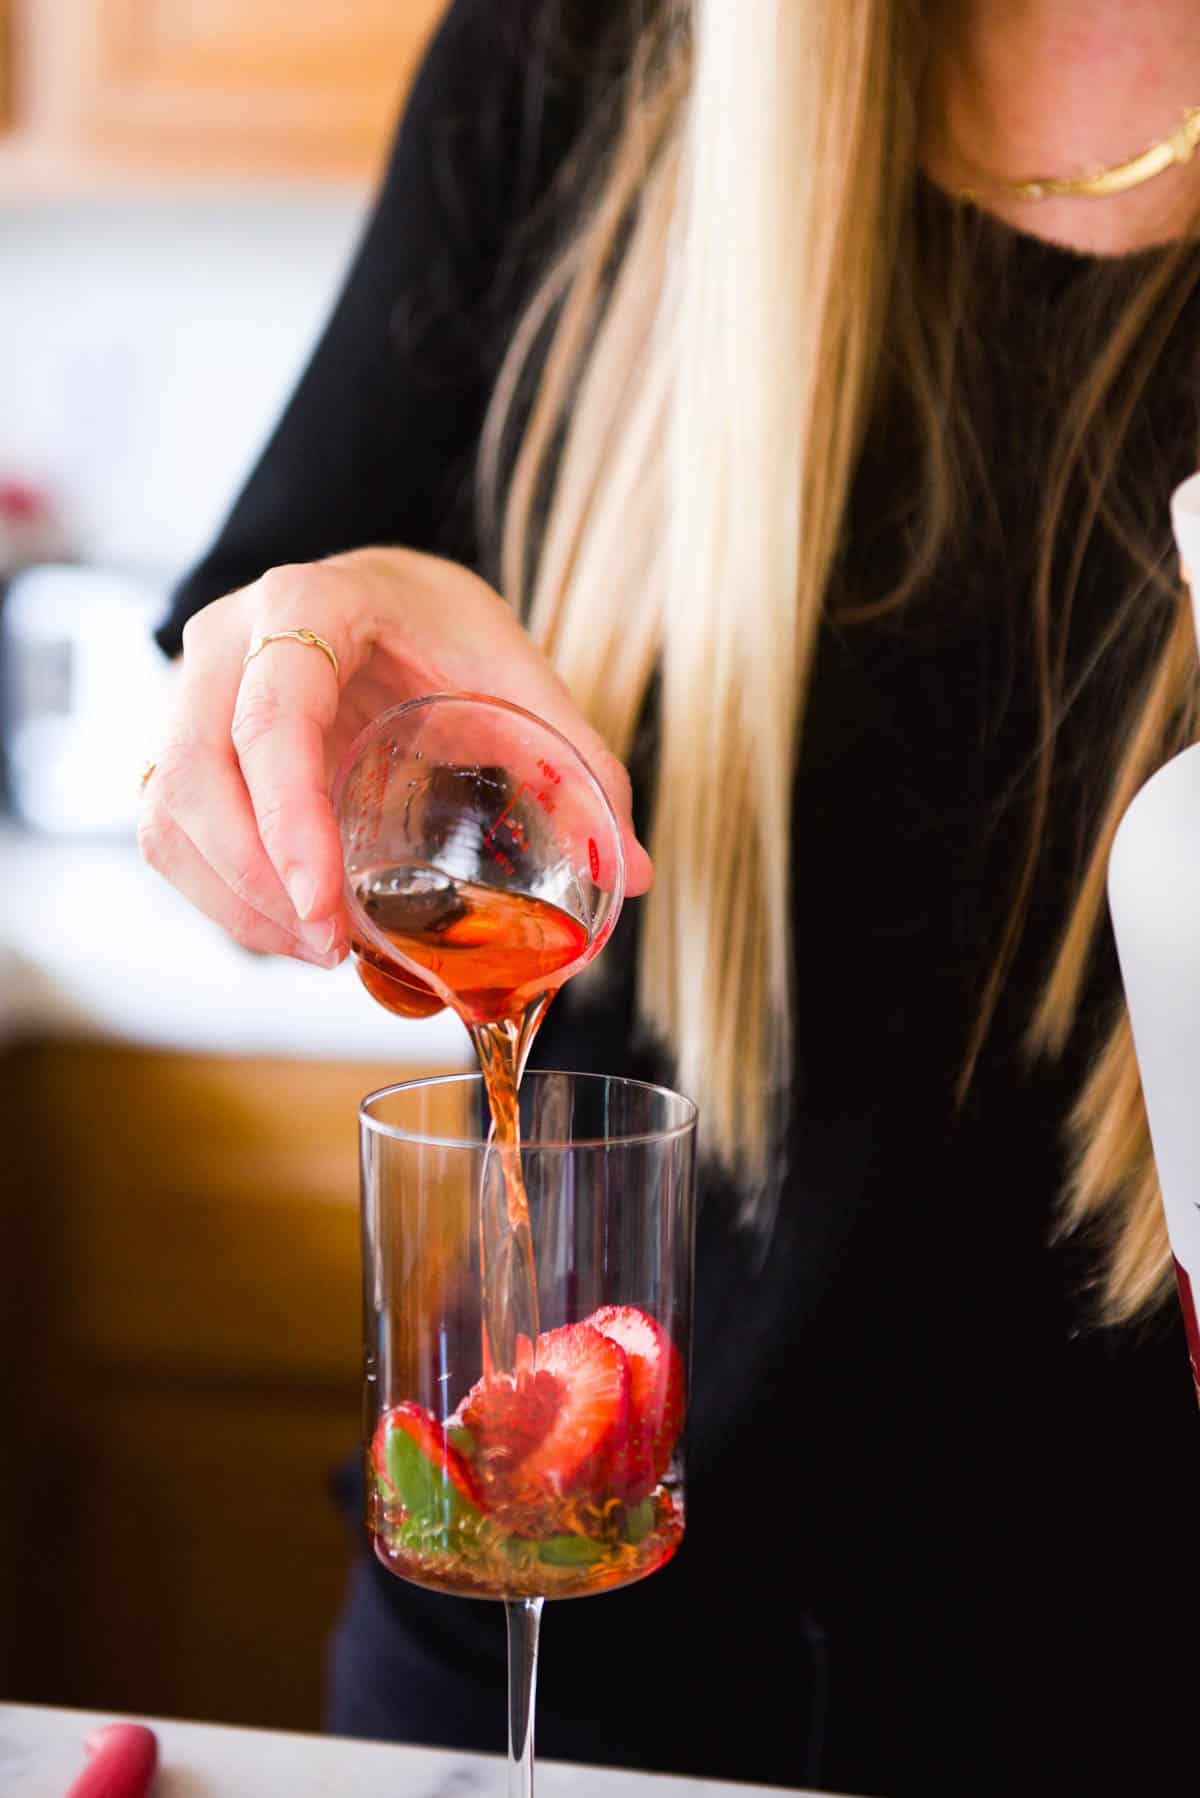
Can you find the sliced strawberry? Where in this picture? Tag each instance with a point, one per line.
(418, 1466)
(593, 1417)
(508, 1416)
(656, 1397)
(550, 1433)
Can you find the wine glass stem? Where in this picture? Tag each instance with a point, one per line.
(524, 1616)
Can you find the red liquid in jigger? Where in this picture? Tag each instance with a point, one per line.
(485, 943)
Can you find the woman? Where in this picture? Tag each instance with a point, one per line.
(822, 447)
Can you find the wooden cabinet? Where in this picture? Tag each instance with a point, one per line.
(181, 1337)
(288, 89)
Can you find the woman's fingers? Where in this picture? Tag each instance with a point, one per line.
(171, 854)
(285, 707)
(611, 773)
(198, 792)
(199, 785)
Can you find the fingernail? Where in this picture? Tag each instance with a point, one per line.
(302, 891)
(329, 960)
(318, 939)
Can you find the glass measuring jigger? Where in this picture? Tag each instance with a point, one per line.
(484, 863)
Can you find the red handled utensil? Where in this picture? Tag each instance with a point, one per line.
(124, 1757)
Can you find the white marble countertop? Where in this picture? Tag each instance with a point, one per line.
(42, 1751)
(94, 944)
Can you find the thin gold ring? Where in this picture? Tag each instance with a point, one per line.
(309, 638)
(147, 771)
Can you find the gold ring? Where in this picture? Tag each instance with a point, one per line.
(309, 638)
(147, 771)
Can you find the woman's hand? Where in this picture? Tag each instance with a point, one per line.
(237, 813)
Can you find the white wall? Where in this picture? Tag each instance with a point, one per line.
(146, 346)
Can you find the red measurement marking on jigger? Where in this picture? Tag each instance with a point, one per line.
(370, 803)
(593, 858)
(515, 831)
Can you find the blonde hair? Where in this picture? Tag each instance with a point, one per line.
(708, 346)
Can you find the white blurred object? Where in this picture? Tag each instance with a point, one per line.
(85, 694)
(1185, 521)
(1154, 898)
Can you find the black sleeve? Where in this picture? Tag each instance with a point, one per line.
(377, 444)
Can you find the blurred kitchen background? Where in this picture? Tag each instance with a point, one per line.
(181, 183)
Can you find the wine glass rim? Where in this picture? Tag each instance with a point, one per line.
(434, 1139)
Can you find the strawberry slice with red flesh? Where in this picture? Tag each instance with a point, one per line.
(551, 1433)
(656, 1397)
(417, 1464)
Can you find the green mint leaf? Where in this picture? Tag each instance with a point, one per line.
(639, 1521)
(416, 1536)
(520, 1549)
(570, 1551)
(425, 1490)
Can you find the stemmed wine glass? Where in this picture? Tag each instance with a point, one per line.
(562, 1475)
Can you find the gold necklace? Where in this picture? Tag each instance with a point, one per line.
(1180, 147)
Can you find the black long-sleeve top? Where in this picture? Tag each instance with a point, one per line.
(940, 1524)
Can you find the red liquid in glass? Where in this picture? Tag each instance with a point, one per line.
(485, 1566)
